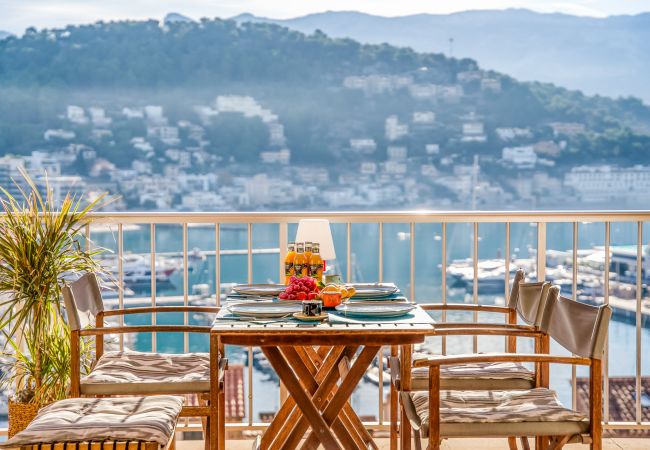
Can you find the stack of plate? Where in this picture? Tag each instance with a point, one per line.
(367, 309)
(256, 291)
(264, 310)
(377, 291)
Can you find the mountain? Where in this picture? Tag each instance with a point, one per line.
(4, 34)
(607, 56)
(323, 92)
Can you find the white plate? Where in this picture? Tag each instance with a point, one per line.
(375, 310)
(259, 289)
(266, 310)
(373, 290)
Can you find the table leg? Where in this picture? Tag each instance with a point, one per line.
(214, 427)
(283, 424)
(319, 426)
(304, 369)
(405, 381)
(349, 416)
(393, 408)
(345, 390)
(321, 395)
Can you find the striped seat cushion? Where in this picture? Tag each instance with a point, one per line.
(146, 419)
(476, 376)
(532, 405)
(131, 372)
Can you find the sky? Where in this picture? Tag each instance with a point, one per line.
(16, 15)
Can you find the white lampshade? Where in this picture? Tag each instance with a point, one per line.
(317, 230)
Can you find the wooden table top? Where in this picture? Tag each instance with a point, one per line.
(402, 330)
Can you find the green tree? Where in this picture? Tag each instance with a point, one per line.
(233, 134)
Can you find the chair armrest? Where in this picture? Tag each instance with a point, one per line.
(394, 365)
(483, 331)
(145, 329)
(436, 361)
(465, 307)
(160, 309)
(507, 326)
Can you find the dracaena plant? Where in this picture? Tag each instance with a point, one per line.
(41, 244)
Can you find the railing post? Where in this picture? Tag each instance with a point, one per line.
(412, 261)
(120, 278)
(283, 242)
(606, 301)
(475, 281)
(217, 263)
(186, 276)
(152, 271)
(639, 318)
(348, 250)
(574, 294)
(541, 251)
(443, 281)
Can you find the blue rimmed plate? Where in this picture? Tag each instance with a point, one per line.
(259, 290)
(268, 310)
(375, 310)
(374, 290)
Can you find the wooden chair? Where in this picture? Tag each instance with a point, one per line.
(117, 373)
(527, 301)
(439, 414)
(125, 423)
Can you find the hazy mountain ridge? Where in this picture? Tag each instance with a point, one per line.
(306, 80)
(605, 56)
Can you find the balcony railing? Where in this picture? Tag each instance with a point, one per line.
(414, 248)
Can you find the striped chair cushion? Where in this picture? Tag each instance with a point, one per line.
(147, 419)
(145, 373)
(533, 405)
(489, 370)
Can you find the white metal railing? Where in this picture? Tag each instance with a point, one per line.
(283, 219)
(411, 218)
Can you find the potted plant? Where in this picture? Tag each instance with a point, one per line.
(40, 245)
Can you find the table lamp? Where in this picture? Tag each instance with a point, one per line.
(317, 230)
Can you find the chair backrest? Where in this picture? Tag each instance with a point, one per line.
(531, 301)
(83, 301)
(578, 327)
(520, 275)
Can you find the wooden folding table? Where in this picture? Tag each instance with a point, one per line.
(320, 365)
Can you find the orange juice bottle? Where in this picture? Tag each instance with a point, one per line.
(300, 261)
(308, 251)
(316, 264)
(288, 262)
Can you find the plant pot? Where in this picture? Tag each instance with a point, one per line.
(20, 415)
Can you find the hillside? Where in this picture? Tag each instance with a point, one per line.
(599, 56)
(185, 53)
(311, 82)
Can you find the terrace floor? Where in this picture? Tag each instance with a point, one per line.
(452, 444)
